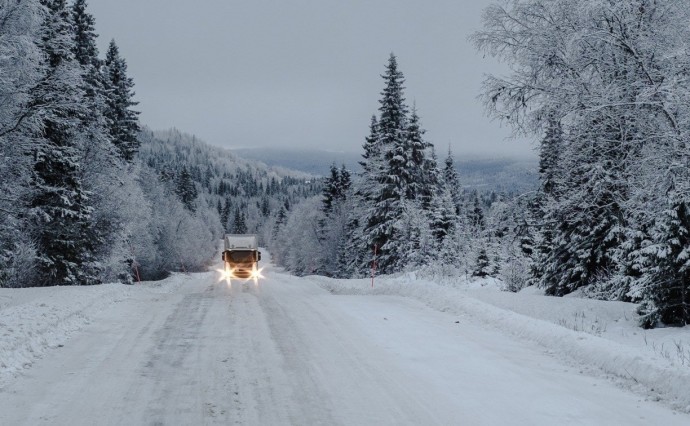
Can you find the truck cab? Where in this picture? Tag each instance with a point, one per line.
(241, 255)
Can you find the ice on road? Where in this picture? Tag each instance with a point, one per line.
(288, 352)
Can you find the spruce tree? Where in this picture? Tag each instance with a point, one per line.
(123, 121)
(666, 295)
(371, 146)
(393, 175)
(482, 267)
(225, 215)
(335, 188)
(239, 223)
(186, 189)
(423, 178)
(547, 194)
(94, 84)
(587, 225)
(85, 50)
(345, 182)
(398, 175)
(331, 190)
(549, 152)
(443, 217)
(475, 215)
(281, 218)
(452, 182)
(426, 176)
(59, 205)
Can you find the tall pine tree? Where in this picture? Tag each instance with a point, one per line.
(59, 205)
(393, 176)
(123, 121)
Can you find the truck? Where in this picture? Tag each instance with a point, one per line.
(241, 255)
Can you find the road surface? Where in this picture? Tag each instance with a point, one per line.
(288, 352)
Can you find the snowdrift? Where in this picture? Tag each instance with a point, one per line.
(34, 320)
(631, 363)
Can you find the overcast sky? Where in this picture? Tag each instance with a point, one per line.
(303, 73)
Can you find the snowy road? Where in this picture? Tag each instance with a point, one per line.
(289, 352)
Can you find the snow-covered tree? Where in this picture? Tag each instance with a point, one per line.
(614, 76)
(335, 188)
(666, 288)
(475, 215)
(452, 181)
(401, 173)
(59, 209)
(483, 265)
(186, 189)
(20, 120)
(123, 120)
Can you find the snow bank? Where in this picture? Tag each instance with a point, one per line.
(35, 320)
(637, 368)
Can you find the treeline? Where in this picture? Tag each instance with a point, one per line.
(607, 83)
(68, 134)
(242, 196)
(404, 210)
(85, 197)
(607, 87)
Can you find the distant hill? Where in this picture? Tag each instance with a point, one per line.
(484, 174)
(498, 174)
(175, 146)
(315, 162)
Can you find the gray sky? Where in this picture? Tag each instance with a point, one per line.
(303, 73)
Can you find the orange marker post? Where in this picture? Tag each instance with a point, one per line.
(373, 265)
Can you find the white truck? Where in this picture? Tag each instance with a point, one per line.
(241, 255)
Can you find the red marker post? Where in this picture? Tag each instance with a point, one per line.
(135, 265)
(373, 265)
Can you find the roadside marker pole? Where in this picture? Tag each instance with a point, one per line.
(134, 264)
(373, 265)
(184, 270)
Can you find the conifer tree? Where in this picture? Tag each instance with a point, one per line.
(265, 207)
(476, 214)
(239, 223)
(666, 293)
(588, 224)
(443, 217)
(281, 218)
(85, 50)
(423, 179)
(335, 188)
(452, 181)
(399, 174)
(59, 204)
(186, 189)
(123, 121)
(345, 181)
(549, 153)
(393, 176)
(371, 146)
(94, 85)
(331, 190)
(225, 215)
(482, 266)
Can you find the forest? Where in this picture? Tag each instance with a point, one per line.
(604, 86)
(88, 196)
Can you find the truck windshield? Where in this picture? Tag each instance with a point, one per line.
(241, 256)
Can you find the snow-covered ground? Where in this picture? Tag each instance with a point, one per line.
(601, 338)
(192, 350)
